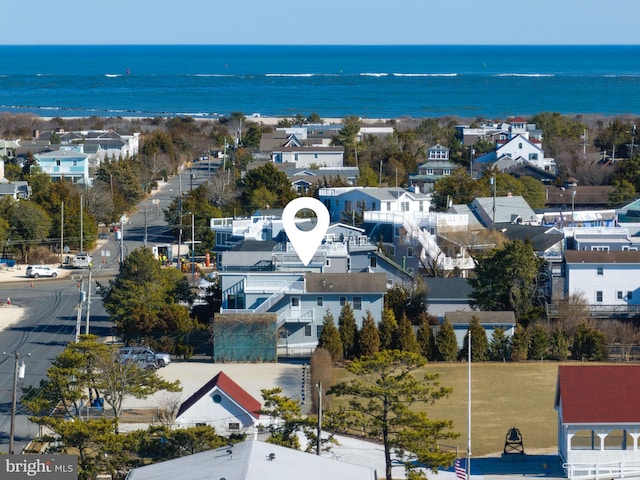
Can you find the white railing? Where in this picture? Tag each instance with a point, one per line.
(598, 471)
(272, 286)
(296, 316)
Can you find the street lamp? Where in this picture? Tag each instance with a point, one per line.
(18, 372)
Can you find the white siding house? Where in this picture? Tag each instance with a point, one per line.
(608, 280)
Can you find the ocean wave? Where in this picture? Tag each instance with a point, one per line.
(290, 74)
(373, 74)
(212, 75)
(524, 75)
(425, 74)
(112, 75)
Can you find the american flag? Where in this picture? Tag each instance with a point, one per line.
(460, 469)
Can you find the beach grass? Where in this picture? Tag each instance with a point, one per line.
(503, 395)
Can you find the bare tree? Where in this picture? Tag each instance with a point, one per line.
(572, 310)
(222, 189)
(168, 407)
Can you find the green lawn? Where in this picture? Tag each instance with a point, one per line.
(503, 395)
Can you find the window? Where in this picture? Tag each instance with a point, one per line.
(599, 249)
(318, 330)
(629, 295)
(600, 271)
(620, 295)
(520, 146)
(357, 303)
(319, 301)
(75, 163)
(599, 296)
(410, 252)
(234, 426)
(396, 231)
(404, 206)
(327, 262)
(307, 330)
(421, 206)
(57, 162)
(373, 262)
(315, 155)
(533, 156)
(295, 301)
(388, 206)
(343, 300)
(347, 205)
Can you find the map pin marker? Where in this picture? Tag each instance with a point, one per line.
(305, 243)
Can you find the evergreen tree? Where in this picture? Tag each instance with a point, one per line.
(446, 343)
(330, 337)
(500, 345)
(368, 338)
(425, 338)
(479, 342)
(519, 344)
(589, 343)
(406, 339)
(387, 329)
(559, 345)
(348, 331)
(538, 342)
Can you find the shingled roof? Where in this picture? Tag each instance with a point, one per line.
(231, 389)
(593, 394)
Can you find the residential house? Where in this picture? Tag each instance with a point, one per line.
(608, 280)
(222, 404)
(345, 203)
(494, 211)
(303, 179)
(451, 294)
(436, 167)
(490, 321)
(517, 145)
(301, 300)
(68, 163)
(8, 150)
(252, 460)
(306, 157)
(498, 132)
(421, 240)
(598, 420)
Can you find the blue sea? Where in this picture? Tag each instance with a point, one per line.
(332, 81)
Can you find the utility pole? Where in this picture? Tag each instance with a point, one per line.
(145, 225)
(493, 218)
(81, 224)
(79, 313)
(469, 411)
(18, 372)
(319, 432)
(193, 245)
(86, 327)
(61, 230)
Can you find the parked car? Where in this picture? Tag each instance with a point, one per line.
(35, 271)
(136, 353)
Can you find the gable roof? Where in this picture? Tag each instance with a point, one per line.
(598, 393)
(234, 391)
(589, 256)
(541, 238)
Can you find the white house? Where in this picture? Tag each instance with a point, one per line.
(357, 200)
(610, 281)
(598, 420)
(519, 148)
(222, 404)
(68, 163)
(303, 156)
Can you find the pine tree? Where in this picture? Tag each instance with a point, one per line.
(500, 345)
(538, 342)
(558, 345)
(519, 344)
(589, 343)
(479, 342)
(368, 338)
(348, 331)
(425, 338)
(330, 337)
(387, 329)
(446, 343)
(406, 339)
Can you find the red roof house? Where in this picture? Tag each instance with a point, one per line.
(599, 419)
(221, 403)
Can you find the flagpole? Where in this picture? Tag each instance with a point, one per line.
(469, 408)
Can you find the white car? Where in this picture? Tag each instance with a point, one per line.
(35, 271)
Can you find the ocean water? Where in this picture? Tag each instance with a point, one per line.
(332, 81)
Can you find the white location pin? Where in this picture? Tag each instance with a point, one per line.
(305, 243)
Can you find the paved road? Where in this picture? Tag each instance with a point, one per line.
(50, 318)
